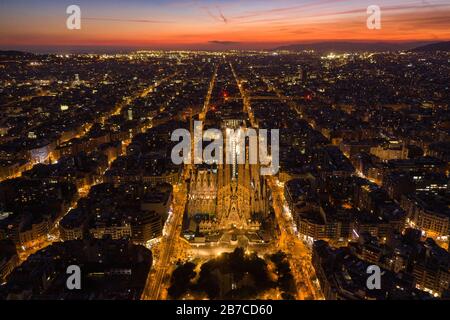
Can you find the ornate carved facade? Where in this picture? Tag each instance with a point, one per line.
(228, 196)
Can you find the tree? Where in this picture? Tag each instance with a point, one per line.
(181, 280)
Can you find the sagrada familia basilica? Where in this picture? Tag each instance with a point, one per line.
(228, 196)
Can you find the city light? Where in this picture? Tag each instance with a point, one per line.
(245, 158)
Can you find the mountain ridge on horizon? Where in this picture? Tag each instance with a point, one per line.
(14, 53)
(439, 46)
(327, 46)
(357, 46)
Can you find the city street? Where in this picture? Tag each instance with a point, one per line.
(170, 248)
(293, 246)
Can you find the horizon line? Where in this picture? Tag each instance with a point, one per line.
(192, 47)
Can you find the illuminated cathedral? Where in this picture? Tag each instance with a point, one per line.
(228, 196)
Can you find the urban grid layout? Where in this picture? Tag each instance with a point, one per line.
(93, 207)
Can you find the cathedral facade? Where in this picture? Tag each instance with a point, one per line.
(227, 196)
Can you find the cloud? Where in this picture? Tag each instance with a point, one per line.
(219, 16)
(290, 9)
(125, 20)
(222, 16)
(225, 43)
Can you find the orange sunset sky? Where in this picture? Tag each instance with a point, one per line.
(179, 24)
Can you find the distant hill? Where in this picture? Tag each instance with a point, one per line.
(352, 46)
(14, 54)
(440, 46)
